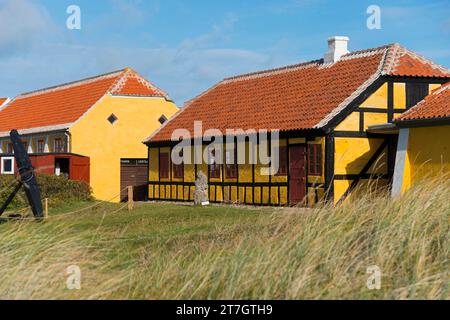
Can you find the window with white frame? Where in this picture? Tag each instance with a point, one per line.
(7, 165)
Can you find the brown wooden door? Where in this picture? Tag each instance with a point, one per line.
(133, 172)
(297, 174)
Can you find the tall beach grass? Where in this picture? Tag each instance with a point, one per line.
(180, 252)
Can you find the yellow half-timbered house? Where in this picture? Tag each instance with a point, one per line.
(334, 117)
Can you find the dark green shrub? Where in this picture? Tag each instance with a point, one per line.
(58, 190)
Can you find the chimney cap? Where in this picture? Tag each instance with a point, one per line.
(338, 38)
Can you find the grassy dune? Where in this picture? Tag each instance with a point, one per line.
(166, 251)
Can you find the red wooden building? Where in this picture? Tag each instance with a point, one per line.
(73, 166)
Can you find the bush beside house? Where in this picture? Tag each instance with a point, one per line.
(58, 190)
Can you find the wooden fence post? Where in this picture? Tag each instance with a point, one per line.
(45, 208)
(130, 198)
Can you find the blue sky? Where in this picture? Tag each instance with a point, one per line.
(186, 46)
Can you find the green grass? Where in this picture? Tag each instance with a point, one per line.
(168, 251)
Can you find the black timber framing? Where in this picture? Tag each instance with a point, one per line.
(365, 169)
(354, 104)
(288, 199)
(357, 134)
(375, 85)
(390, 102)
(253, 185)
(330, 134)
(329, 166)
(307, 146)
(270, 176)
(378, 110)
(170, 171)
(148, 173)
(361, 176)
(429, 80)
(159, 172)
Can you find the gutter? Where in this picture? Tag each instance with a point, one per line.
(69, 146)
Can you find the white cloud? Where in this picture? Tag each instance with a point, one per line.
(218, 33)
(183, 70)
(22, 23)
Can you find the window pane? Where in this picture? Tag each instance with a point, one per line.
(41, 146)
(7, 165)
(315, 159)
(231, 163)
(164, 165)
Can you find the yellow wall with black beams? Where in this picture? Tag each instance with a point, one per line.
(250, 186)
(353, 153)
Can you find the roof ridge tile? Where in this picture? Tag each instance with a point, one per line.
(130, 73)
(398, 51)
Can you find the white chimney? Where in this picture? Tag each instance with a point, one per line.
(337, 47)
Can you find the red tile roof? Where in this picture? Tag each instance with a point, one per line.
(434, 106)
(403, 62)
(303, 96)
(2, 101)
(64, 104)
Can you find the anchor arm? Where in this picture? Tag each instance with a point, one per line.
(11, 197)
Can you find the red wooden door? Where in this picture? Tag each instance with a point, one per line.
(80, 168)
(297, 174)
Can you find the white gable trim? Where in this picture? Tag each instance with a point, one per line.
(4, 104)
(88, 110)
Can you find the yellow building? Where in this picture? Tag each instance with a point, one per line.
(89, 130)
(328, 113)
(423, 150)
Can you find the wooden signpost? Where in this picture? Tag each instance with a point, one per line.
(130, 198)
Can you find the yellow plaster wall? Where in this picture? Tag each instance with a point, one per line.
(428, 154)
(106, 144)
(378, 99)
(296, 140)
(371, 119)
(352, 154)
(351, 123)
(434, 86)
(399, 95)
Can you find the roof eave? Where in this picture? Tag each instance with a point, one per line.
(307, 132)
(424, 122)
(39, 130)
